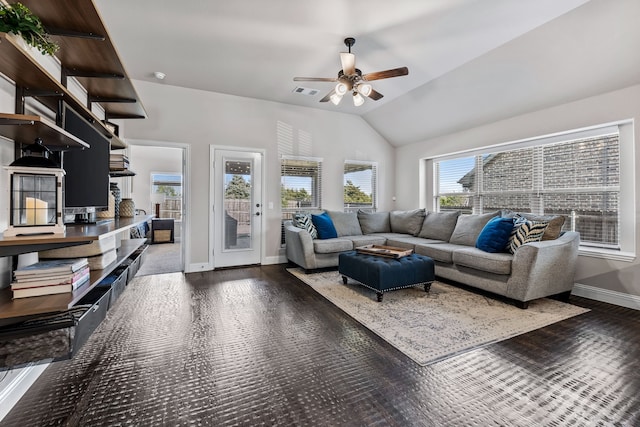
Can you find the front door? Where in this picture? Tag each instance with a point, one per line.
(237, 208)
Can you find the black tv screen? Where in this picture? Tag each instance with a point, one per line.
(86, 171)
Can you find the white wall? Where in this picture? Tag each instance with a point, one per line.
(618, 276)
(202, 119)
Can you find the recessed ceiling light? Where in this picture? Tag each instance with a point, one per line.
(159, 75)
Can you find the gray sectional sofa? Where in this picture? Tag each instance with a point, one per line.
(534, 270)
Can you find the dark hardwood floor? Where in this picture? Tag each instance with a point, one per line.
(255, 346)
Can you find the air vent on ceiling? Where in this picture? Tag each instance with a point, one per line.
(305, 91)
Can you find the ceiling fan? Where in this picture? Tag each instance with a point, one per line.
(351, 79)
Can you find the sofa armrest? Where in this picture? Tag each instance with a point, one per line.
(299, 246)
(544, 268)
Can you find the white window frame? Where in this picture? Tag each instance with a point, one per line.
(374, 185)
(627, 203)
(154, 195)
(316, 192)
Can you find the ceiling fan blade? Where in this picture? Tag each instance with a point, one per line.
(375, 95)
(315, 79)
(348, 61)
(328, 96)
(396, 72)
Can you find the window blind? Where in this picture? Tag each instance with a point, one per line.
(360, 186)
(300, 186)
(578, 177)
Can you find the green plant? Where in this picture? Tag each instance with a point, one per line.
(16, 18)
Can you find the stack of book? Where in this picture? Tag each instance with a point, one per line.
(118, 162)
(54, 276)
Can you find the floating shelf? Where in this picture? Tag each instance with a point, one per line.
(10, 308)
(75, 235)
(25, 129)
(26, 72)
(90, 52)
(121, 173)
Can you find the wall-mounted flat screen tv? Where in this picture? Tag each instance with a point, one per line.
(86, 179)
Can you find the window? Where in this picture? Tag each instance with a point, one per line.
(359, 186)
(577, 175)
(166, 195)
(300, 185)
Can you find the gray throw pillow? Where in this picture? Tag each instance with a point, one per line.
(439, 225)
(346, 223)
(374, 222)
(554, 229)
(468, 228)
(407, 222)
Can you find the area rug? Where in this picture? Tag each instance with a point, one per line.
(444, 322)
(160, 259)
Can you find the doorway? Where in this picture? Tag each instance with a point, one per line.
(237, 188)
(160, 188)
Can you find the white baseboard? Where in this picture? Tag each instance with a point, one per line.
(281, 259)
(195, 268)
(605, 295)
(16, 384)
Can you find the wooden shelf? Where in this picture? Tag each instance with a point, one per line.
(89, 55)
(23, 307)
(74, 235)
(26, 72)
(26, 128)
(121, 173)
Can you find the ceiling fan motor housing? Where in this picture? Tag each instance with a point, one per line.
(349, 41)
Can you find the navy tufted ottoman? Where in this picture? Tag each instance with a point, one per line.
(383, 274)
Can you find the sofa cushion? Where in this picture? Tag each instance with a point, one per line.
(303, 220)
(324, 225)
(366, 239)
(468, 228)
(409, 222)
(442, 252)
(374, 222)
(498, 263)
(495, 235)
(406, 241)
(346, 223)
(555, 224)
(526, 231)
(330, 246)
(439, 225)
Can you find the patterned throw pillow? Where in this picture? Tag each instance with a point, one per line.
(525, 231)
(302, 220)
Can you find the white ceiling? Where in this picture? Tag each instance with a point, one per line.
(462, 55)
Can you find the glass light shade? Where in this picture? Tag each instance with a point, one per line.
(335, 98)
(341, 89)
(364, 89)
(358, 100)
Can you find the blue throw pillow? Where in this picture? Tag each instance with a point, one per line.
(495, 235)
(324, 226)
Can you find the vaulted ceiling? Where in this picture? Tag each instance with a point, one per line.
(470, 61)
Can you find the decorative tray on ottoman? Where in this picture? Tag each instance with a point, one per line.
(385, 251)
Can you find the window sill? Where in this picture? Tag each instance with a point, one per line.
(607, 254)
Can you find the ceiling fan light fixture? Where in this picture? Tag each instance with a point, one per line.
(358, 100)
(364, 89)
(341, 89)
(335, 98)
